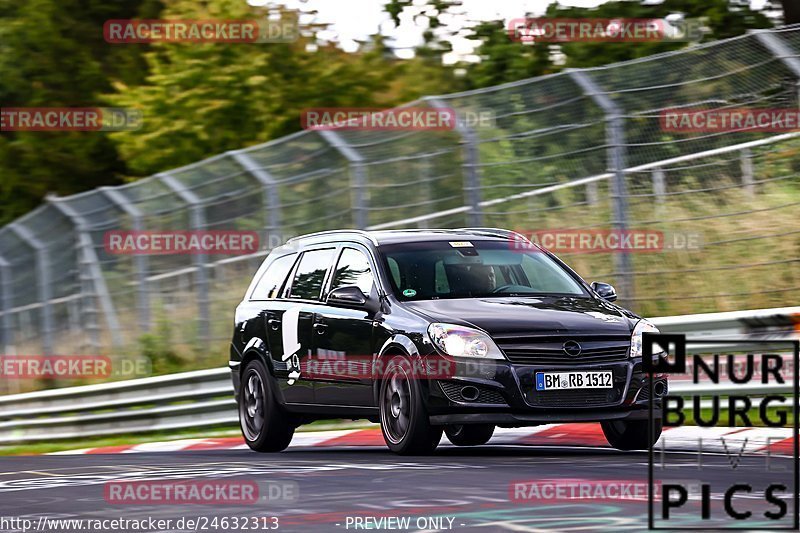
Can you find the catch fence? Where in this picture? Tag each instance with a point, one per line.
(578, 150)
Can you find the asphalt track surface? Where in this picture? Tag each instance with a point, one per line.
(465, 488)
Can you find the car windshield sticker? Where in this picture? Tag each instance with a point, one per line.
(291, 344)
(409, 293)
(461, 244)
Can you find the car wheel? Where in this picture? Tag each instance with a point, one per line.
(469, 435)
(630, 435)
(266, 427)
(404, 418)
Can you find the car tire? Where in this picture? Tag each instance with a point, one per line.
(404, 417)
(265, 425)
(630, 435)
(469, 435)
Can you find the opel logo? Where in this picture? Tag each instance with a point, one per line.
(572, 348)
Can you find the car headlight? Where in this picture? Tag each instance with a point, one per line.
(461, 341)
(643, 326)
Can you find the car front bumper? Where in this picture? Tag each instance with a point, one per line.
(507, 395)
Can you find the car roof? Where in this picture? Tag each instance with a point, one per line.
(395, 236)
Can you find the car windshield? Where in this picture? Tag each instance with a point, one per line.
(469, 269)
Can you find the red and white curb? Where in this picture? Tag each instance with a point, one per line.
(734, 441)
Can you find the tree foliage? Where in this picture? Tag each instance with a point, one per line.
(198, 100)
(504, 60)
(52, 54)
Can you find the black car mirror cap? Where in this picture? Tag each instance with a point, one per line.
(605, 291)
(347, 296)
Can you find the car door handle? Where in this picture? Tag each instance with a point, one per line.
(320, 328)
(274, 324)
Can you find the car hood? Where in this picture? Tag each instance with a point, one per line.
(532, 316)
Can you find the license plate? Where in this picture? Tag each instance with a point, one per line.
(601, 379)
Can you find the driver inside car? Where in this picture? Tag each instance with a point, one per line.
(484, 278)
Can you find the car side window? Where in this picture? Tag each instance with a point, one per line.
(353, 269)
(272, 280)
(310, 274)
(545, 275)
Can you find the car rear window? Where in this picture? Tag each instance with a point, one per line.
(272, 280)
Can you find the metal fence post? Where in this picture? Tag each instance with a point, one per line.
(272, 201)
(140, 261)
(472, 179)
(425, 176)
(90, 271)
(42, 281)
(615, 140)
(198, 221)
(659, 185)
(6, 333)
(782, 51)
(747, 172)
(591, 193)
(357, 176)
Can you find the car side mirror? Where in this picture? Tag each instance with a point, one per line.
(347, 296)
(605, 291)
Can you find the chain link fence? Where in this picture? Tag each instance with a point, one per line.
(581, 149)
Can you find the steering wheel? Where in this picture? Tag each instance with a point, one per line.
(501, 288)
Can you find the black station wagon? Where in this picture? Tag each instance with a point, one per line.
(432, 331)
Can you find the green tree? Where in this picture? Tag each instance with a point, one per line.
(722, 19)
(52, 54)
(203, 99)
(505, 60)
(426, 73)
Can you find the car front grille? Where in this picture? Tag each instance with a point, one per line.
(644, 393)
(576, 398)
(452, 389)
(548, 350)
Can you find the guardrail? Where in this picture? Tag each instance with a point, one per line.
(204, 398)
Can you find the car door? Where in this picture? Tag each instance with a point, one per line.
(289, 324)
(342, 338)
(261, 301)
